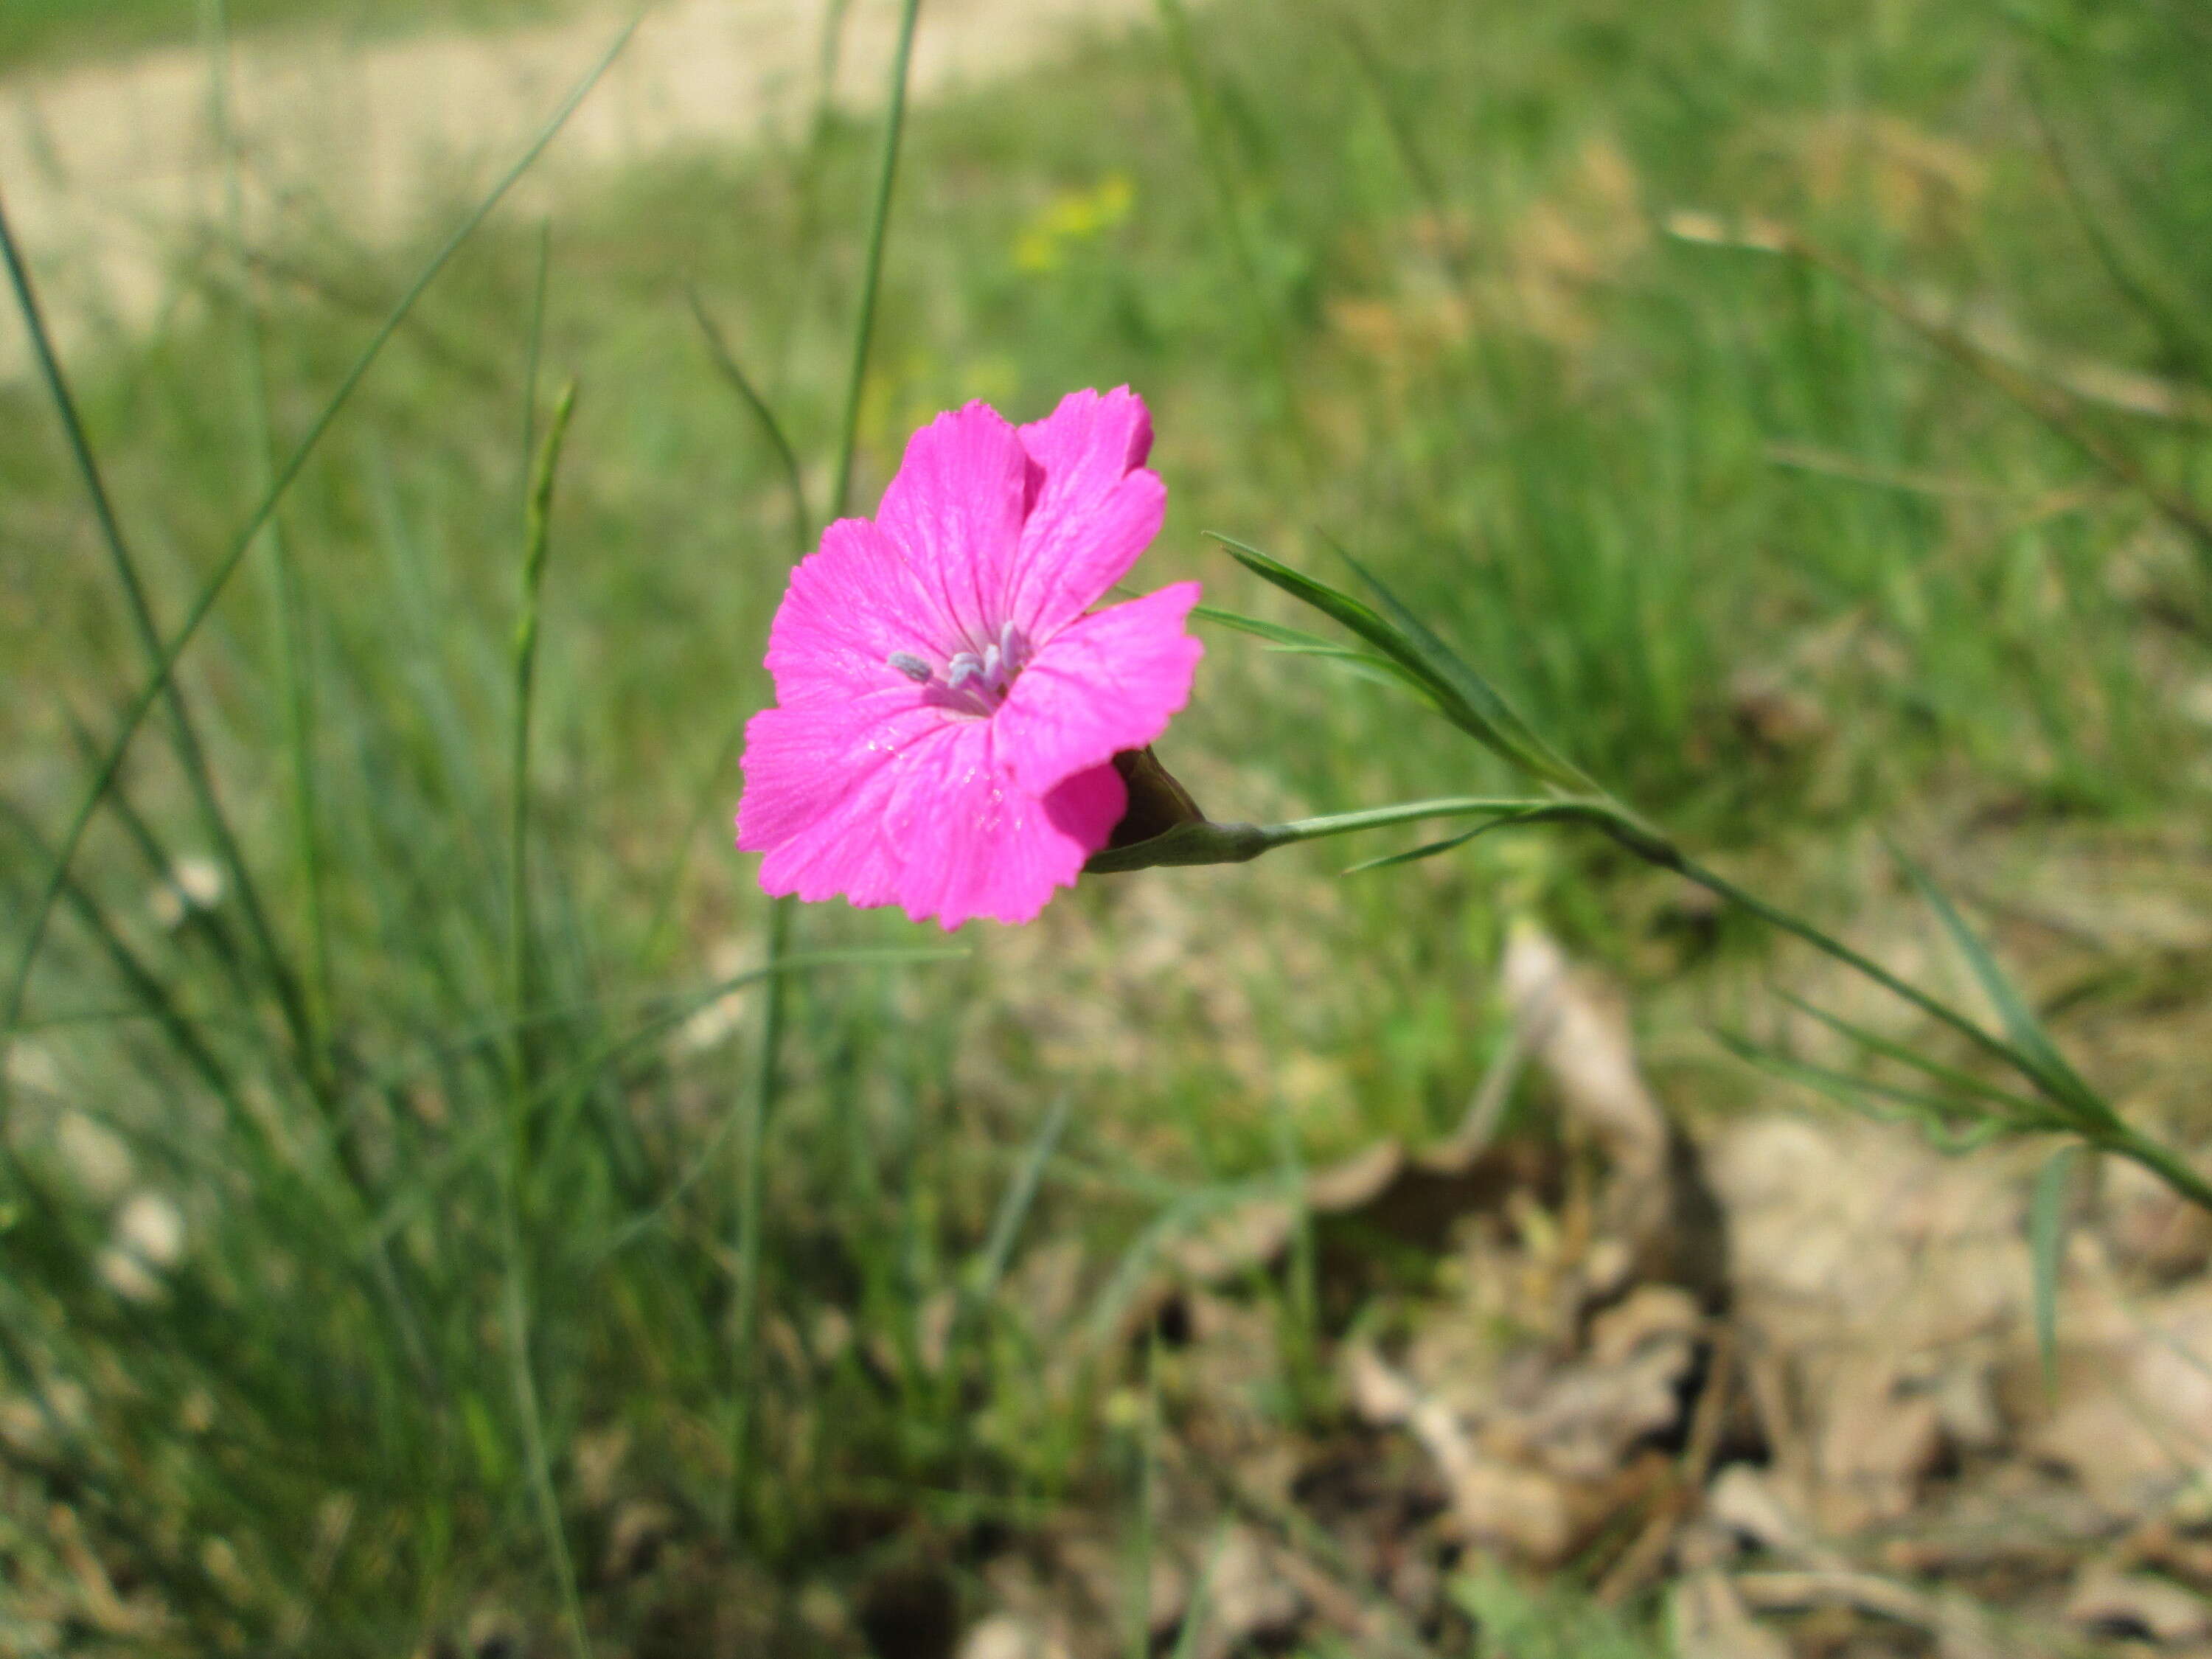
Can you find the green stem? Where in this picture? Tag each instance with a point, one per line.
(1237, 843)
(2161, 1161)
(284, 598)
(1205, 842)
(1720, 887)
(872, 271)
(709, 795)
(538, 544)
(768, 1070)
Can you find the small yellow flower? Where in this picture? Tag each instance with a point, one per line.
(1072, 217)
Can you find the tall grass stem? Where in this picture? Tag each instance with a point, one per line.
(295, 690)
(768, 1061)
(538, 542)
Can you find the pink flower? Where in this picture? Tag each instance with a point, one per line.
(948, 706)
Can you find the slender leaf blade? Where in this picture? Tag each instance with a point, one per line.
(2035, 1053)
(2046, 1244)
(1509, 732)
(1538, 815)
(2030, 1113)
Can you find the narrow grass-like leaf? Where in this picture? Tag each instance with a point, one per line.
(1296, 642)
(1332, 602)
(1935, 1114)
(154, 994)
(712, 787)
(1176, 1216)
(1463, 696)
(2054, 408)
(202, 923)
(2026, 1113)
(1427, 850)
(537, 546)
(1719, 885)
(738, 381)
(1199, 1607)
(1510, 734)
(2034, 1051)
(1563, 813)
(1275, 632)
(767, 1068)
(990, 1264)
(2046, 1243)
(294, 684)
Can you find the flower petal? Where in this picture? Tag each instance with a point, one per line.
(979, 846)
(1107, 682)
(915, 809)
(818, 780)
(955, 511)
(1096, 508)
(851, 603)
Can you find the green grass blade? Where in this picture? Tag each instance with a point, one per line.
(2046, 1244)
(1508, 733)
(1275, 632)
(1332, 602)
(1451, 843)
(1298, 642)
(1200, 1606)
(990, 1264)
(150, 992)
(533, 356)
(294, 684)
(733, 374)
(768, 1070)
(2034, 1051)
(1935, 1114)
(537, 543)
(710, 791)
(1462, 695)
(871, 271)
(212, 588)
(2026, 1111)
(205, 925)
(1713, 882)
(1403, 141)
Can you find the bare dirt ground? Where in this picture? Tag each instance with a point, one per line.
(109, 168)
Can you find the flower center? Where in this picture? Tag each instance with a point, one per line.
(970, 683)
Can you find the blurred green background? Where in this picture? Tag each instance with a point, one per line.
(1475, 290)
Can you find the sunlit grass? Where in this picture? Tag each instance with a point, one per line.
(1743, 545)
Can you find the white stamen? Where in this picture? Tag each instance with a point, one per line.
(964, 668)
(908, 665)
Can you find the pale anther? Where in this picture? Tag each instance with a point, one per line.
(908, 665)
